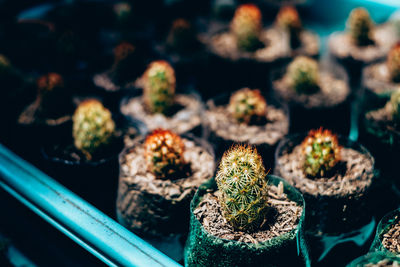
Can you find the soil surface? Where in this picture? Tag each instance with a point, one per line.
(309, 44)
(383, 263)
(283, 217)
(332, 92)
(384, 36)
(184, 116)
(377, 79)
(33, 114)
(103, 80)
(352, 175)
(391, 239)
(219, 120)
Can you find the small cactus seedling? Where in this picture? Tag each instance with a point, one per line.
(289, 20)
(125, 63)
(123, 12)
(122, 52)
(242, 181)
(360, 27)
(321, 151)
(93, 127)
(303, 75)
(181, 35)
(159, 87)
(393, 63)
(395, 102)
(247, 105)
(246, 26)
(52, 93)
(164, 153)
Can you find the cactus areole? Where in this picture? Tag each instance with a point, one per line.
(321, 152)
(164, 154)
(93, 127)
(242, 182)
(247, 105)
(246, 25)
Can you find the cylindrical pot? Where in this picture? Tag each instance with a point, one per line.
(230, 67)
(335, 204)
(375, 259)
(183, 117)
(387, 234)
(203, 248)
(160, 207)
(328, 107)
(223, 131)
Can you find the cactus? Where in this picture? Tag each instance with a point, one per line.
(246, 25)
(181, 35)
(289, 20)
(247, 105)
(321, 151)
(123, 13)
(303, 75)
(393, 63)
(52, 93)
(395, 102)
(159, 87)
(164, 153)
(125, 64)
(93, 127)
(360, 27)
(242, 182)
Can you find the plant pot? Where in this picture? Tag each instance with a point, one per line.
(184, 116)
(95, 180)
(375, 259)
(322, 108)
(353, 57)
(206, 249)
(160, 207)
(385, 232)
(233, 68)
(223, 131)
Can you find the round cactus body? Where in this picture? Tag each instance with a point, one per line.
(164, 153)
(159, 87)
(395, 102)
(393, 63)
(322, 152)
(246, 26)
(242, 182)
(181, 35)
(303, 75)
(93, 127)
(289, 20)
(360, 26)
(247, 105)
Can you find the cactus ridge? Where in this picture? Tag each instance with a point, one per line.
(322, 152)
(164, 153)
(247, 105)
(242, 181)
(93, 127)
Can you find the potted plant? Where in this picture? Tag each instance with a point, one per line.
(159, 175)
(387, 234)
(316, 95)
(334, 174)
(363, 43)
(245, 117)
(87, 160)
(301, 41)
(382, 78)
(159, 106)
(244, 217)
(241, 52)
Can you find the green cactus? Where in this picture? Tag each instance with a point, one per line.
(246, 25)
(247, 105)
(321, 152)
(303, 75)
(360, 27)
(159, 87)
(181, 35)
(395, 102)
(242, 182)
(93, 127)
(289, 20)
(393, 63)
(164, 153)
